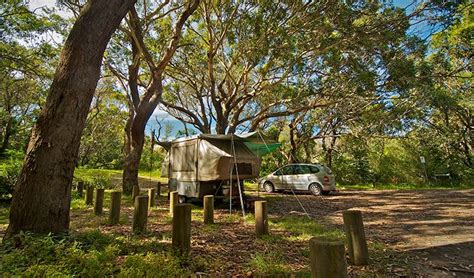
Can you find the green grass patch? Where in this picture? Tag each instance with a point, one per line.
(303, 229)
(270, 262)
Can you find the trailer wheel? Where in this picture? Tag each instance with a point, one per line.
(182, 199)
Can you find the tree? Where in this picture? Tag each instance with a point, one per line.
(253, 62)
(98, 147)
(24, 74)
(41, 201)
(446, 111)
(142, 98)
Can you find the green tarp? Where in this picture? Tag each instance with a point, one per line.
(261, 149)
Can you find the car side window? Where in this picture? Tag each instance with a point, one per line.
(287, 170)
(278, 173)
(301, 169)
(314, 169)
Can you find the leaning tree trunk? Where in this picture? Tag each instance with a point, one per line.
(42, 194)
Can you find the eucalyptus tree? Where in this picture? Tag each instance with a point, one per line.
(153, 32)
(41, 200)
(245, 62)
(446, 103)
(25, 69)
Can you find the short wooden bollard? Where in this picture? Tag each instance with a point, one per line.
(261, 220)
(99, 201)
(173, 201)
(89, 195)
(327, 258)
(140, 215)
(80, 188)
(135, 191)
(182, 228)
(151, 197)
(209, 209)
(116, 198)
(355, 236)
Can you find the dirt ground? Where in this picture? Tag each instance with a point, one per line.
(434, 228)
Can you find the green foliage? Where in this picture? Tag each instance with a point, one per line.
(151, 265)
(97, 178)
(9, 171)
(103, 136)
(90, 254)
(25, 69)
(151, 160)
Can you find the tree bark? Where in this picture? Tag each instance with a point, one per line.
(41, 201)
(132, 152)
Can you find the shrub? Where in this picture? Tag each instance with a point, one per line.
(151, 265)
(8, 177)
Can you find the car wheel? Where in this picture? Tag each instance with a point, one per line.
(268, 187)
(182, 199)
(315, 189)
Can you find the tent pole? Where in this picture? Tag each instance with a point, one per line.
(238, 179)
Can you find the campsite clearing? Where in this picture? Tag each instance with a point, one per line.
(422, 233)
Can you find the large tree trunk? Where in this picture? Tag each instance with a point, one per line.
(135, 139)
(42, 195)
(132, 156)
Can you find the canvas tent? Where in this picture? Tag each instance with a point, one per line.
(199, 165)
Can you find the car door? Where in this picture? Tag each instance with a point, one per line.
(287, 177)
(302, 177)
(276, 179)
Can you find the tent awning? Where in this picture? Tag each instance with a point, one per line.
(252, 140)
(261, 149)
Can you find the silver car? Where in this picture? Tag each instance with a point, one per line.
(315, 178)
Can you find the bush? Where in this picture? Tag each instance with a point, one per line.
(8, 177)
(151, 265)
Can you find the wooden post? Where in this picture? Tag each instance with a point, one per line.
(261, 221)
(173, 201)
(355, 236)
(158, 189)
(80, 188)
(135, 191)
(327, 258)
(182, 228)
(140, 215)
(99, 201)
(89, 195)
(116, 198)
(209, 209)
(151, 197)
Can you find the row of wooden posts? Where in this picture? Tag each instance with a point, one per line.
(327, 256)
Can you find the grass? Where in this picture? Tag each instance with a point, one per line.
(302, 228)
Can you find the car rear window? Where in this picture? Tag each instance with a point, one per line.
(329, 171)
(314, 169)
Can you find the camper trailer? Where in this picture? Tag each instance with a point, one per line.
(209, 164)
